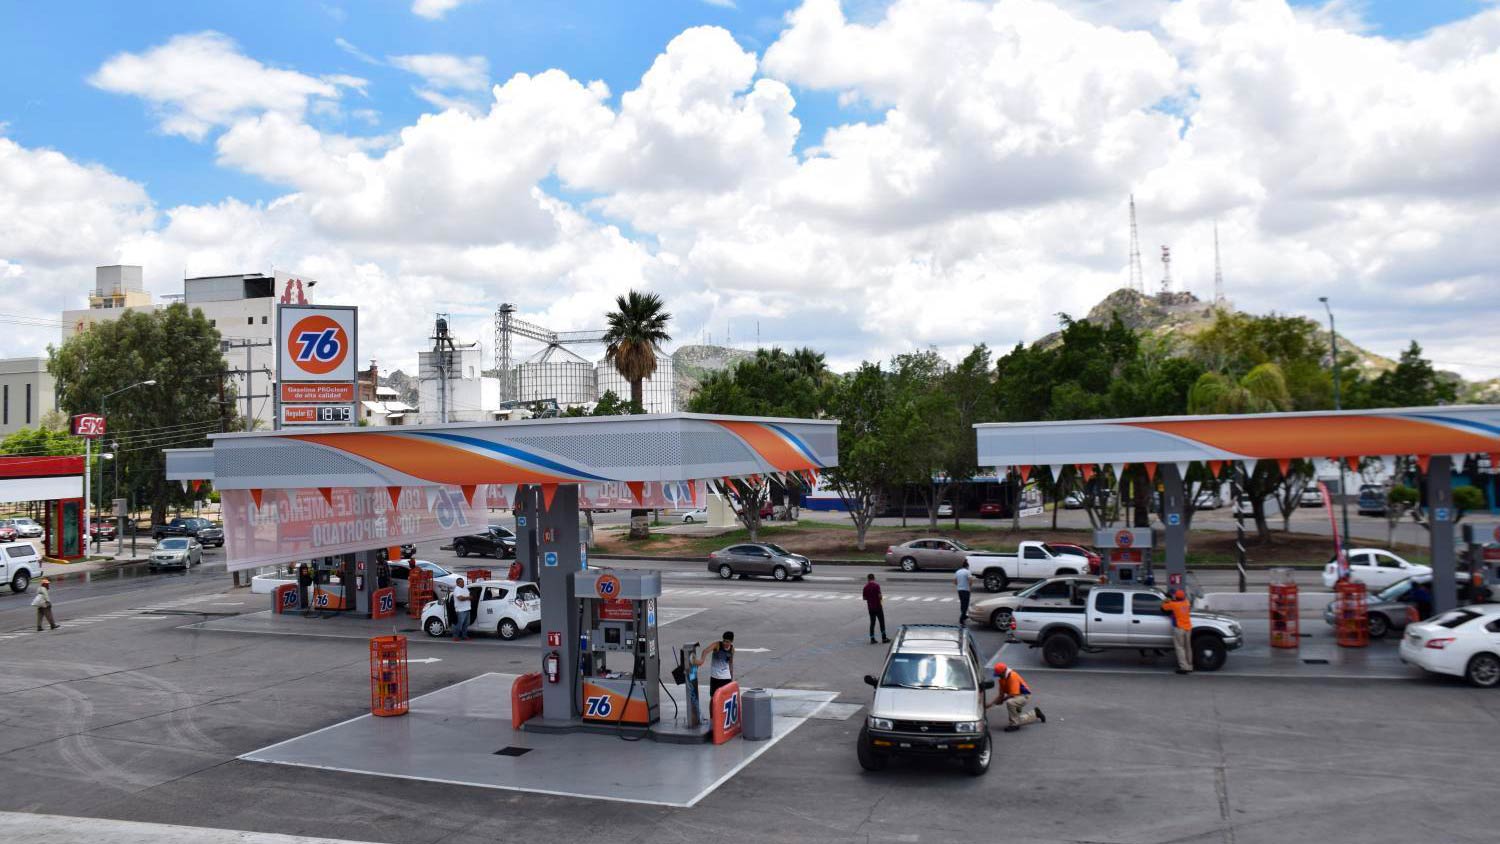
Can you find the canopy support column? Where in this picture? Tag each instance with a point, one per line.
(557, 555)
(1441, 514)
(1176, 524)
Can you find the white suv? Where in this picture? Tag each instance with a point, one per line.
(19, 565)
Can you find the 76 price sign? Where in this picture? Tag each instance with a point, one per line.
(88, 425)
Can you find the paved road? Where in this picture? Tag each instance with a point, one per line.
(131, 716)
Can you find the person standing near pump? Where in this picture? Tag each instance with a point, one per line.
(43, 604)
(1182, 629)
(876, 608)
(461, 604)
(961, 580)
(304, 586)
(721, 669)
(1011, 690)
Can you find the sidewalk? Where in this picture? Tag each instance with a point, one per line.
(106, 560)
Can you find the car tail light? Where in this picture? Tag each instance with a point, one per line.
(1438, 644)
(713, 555)
(1412, 616)
(890, 549)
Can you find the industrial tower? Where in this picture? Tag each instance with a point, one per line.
(507, 326)
(1137, 278)
(1166, 270)
(1218, 271)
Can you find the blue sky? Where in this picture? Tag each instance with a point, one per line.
(46, 101)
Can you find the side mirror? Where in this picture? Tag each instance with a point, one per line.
(986, 685)
(871, 681)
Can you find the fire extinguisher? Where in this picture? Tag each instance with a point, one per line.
(552, 665)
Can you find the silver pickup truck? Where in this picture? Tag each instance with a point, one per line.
(1120, 617)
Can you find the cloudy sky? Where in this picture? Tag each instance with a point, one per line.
(862, 177)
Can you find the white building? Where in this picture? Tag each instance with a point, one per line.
(657, 395)
(117, 289)
(27, 391)
(464, 394)
(243, 308)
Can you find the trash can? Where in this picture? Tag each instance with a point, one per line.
(757, 715)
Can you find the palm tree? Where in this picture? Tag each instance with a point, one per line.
(637, 328)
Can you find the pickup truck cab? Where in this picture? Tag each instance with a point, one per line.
(1031, 560)
(929, 700)
(202, 530)
(1128, 617)
(19, 565)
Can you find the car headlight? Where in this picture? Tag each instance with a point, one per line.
(966, 727)
(880, 723)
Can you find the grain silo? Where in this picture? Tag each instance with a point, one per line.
(555, 373)
(657, 395)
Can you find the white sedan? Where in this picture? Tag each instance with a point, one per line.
(504, 607)
(1375, 568)
(1464, 643)
(698, 515)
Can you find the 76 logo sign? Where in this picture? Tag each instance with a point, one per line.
(598, 706)
(317, 345)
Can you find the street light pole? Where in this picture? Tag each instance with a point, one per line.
(1333, 345)
(103, 403)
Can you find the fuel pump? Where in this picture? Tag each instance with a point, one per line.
(620, 665)
(1127, 555)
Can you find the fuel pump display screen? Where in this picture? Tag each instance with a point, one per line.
(612, 636)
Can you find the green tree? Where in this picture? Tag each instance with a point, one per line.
(969, 387)
(41, 441)
(772, 383)
(867, 462)
(637, 328)
(178, 349)
(1236, 344)
(1413, 383)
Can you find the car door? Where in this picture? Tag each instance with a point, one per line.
(491, 607)
(1034, 563)
(1108, 623)
(195, 552)
(1385, 569)
(1057, 593)
(946, 555)
(1149, 626)
(1360, 569)
(742, 558)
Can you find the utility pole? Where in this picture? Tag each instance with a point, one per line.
(1333, 345)
(249, 345)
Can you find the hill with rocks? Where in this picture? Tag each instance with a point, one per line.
(692, 364)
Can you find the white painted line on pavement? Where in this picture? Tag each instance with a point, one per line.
(149, 617)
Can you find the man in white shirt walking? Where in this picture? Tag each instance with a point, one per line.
(461, 602)
(961, 580)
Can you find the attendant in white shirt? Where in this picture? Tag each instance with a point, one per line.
(461, 602)
(961, 580)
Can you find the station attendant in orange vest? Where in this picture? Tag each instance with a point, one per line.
(1182, 630)
(1011, 690)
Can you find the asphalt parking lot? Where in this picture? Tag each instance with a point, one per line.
(135, 711)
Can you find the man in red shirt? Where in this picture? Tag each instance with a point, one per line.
(1182, 630)
(877, 612)
(1011, 690)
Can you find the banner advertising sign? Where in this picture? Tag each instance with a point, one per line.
(88, 425)
(1031, 500)
(317, 364)
(298, 524)
(655, 495)
(317, 393)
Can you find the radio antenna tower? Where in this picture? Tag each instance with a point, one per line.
(1218, 271)
(1137, 278)
(1166, 270)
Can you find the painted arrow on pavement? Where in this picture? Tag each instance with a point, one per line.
(429, 659)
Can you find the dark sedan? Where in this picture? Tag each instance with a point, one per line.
(495, 541)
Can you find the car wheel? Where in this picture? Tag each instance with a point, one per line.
(725, 571)
(435, 627)
(1379, 625)
(19, 583)
(995, 581)
(908, 564)
(1483, 671)
(461, 549)
(508, 629)
(1000, 619)
(1060, 650)
(1209, 652)
(779, 573)
(869, 758)
(687, 520)
(979, 763)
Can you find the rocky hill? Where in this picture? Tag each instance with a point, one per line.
(692, 364)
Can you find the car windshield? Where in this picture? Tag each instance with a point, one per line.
(174, 544)
(1395, 591)
(500, 530)
(959, 545)
(437, 570)
(1055, 550)
(777, 549)
(928, 671)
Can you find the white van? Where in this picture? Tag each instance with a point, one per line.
(19, 564)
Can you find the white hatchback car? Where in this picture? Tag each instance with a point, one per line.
(1376, 568)
(1464, 643)
(505, 607)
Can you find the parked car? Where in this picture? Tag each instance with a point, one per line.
(505, 607)
(698, 515)
(938, 554)
(1031, 560)
(1069, 591)
(1208, 499)
(1464, 642)
(1311, 497)
(25, 528)
(100, 529)
(929, 700)
(945, 510)
(1064, 548)
(1392, 608)
(407, 552)
(1371, 501)
(991, 510)
(19, 565)
(175, 552)
(200, 529)
(1079, 499)
(494, 541)
(443, 580)
(759, 558)
(1123, 617)
(1376, 568)
(8, 534)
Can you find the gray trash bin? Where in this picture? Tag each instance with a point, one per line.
(757, 720)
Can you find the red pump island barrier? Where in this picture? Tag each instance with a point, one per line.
(1351, 621)
(525, 699)
(388, 688)
(1285, 626)
(476, 574)
(725, 710)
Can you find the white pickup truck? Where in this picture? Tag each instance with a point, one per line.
(1030, 561)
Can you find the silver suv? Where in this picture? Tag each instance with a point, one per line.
(929, 699)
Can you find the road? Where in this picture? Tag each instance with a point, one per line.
(125, 713)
